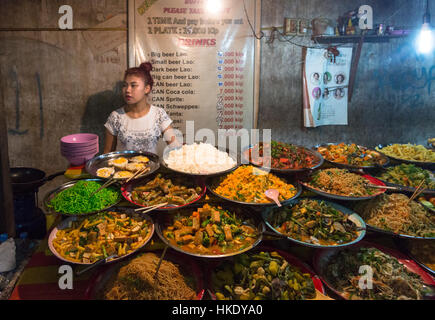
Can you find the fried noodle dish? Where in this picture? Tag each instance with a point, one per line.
(409, 152)
(341, 182)
(135, 281)
(394, 213)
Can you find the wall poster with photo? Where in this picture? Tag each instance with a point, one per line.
(325, 85)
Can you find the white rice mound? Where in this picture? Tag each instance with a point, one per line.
(202, 158)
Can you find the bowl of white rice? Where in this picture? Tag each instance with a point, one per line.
(201, 159)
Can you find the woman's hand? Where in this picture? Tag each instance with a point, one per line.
(170, 137)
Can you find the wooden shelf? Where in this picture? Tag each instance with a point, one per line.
(355, 38)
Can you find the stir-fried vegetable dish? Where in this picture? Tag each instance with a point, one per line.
(248, 184)
(351, 154)
(428, 202)
(261, 276)
(315, 222)
(409, 175)
(210, 231)
(423, 251)
(77, 199)
(391, 279)
(161, 190)
(90, 239)
(284, 156)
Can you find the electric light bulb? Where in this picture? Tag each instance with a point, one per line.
(425, 39)
(213, 6)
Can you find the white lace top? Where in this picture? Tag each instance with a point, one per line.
(141, 134)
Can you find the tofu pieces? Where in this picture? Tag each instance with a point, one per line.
(228, 234)
(187, 238)
(198, 238)
(209, 230)
(196, 223)
(215, 216)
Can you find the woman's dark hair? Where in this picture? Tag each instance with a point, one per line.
(143, 71)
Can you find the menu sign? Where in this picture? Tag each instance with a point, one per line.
(202, 57)
(325, 84)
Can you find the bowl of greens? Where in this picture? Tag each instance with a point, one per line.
(76, 198)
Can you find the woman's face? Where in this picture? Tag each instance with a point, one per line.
(134, 89)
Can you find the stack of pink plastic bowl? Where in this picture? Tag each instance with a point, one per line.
(79, 147)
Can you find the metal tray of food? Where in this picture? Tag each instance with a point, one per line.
(402, 188)
(323, 258)
(318, 157)
(235, 157)
(354, 217)
(177, 179)
(213, 183)
(370, 180)
(423, 164)
(383, 159)
(248, 218)
(67, 222)
(50, 195)
(102, 161)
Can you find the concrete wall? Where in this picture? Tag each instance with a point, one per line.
(78, 83)
(393, 98)
(58, 82)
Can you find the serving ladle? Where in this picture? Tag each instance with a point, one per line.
(273, 194)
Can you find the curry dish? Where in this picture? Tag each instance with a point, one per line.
(210, 231)
(101, 235)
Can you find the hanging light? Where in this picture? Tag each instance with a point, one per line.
(213, 6)
(425, 39)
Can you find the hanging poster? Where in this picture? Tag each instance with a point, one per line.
(325, 85)
(203, 59)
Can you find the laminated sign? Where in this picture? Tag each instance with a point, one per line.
(202, 57)
(325, 85)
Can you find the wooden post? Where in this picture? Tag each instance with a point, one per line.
(7, 220)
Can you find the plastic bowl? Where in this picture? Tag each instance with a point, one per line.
(74, 146)
(79, 150)
(80, 154)
(80, 138)
(79, 160)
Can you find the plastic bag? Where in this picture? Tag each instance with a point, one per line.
(7, 255)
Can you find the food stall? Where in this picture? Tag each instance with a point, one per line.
(317, 212)
(218, 233)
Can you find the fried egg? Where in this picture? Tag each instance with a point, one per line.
(122, 174)
(119, 163)
(134, 166)
(142, 159)
(105, 172)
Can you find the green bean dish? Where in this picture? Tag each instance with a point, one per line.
(315, 222)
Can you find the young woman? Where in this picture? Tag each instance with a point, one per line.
(138, 125)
